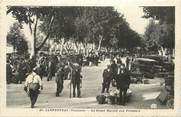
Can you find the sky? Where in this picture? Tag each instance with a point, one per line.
(133, 15)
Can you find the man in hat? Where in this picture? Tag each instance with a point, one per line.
(123, 82)
(107, 77)
(33, 85)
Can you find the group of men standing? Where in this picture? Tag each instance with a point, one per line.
(74, 75)
(33, 83)
(119, 74)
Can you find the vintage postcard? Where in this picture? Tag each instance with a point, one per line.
(90, 58)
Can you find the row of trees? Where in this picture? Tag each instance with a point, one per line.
(102, 26)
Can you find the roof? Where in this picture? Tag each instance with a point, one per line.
(145, 59)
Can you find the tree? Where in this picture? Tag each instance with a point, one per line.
(127, 38)
(84, 24)
(16, 38)
(162, 34)
(63, 28)
(63, 24)
(152, 36)
(31, 16)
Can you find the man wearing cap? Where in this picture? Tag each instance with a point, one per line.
(33, 85)
(107, 77)
(123, 82)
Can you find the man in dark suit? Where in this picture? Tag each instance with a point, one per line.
(113, 68)
(76, 81)
(52, 65)
(59, 80)
(123, 82)
(107, 77)
(123, 85)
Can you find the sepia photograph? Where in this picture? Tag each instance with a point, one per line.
(90, 58)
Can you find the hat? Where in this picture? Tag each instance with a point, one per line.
(35, 69)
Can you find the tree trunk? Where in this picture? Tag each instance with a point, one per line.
(62, 45)
(85, 49)
(76, 47)
(100, 41)
(46, 38)
(34, 48)
(32, 51)
(34, 34)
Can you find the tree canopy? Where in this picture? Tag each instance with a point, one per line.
(162, 33)
(17, 39)
(91, 24)
(103, 26)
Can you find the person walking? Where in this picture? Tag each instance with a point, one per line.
(33, 85)
(107, 77)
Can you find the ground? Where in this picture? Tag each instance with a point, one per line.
(143, 95)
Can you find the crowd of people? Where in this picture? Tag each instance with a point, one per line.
(33, 70)
(18, 67)
(46, 65)
(69, 67)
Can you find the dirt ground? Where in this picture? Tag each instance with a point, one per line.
(143, 95)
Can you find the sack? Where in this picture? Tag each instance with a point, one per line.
(101, 99)
(111, 99)
(34, 86)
